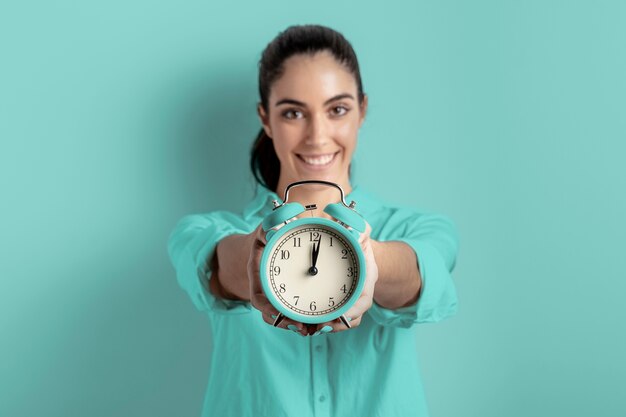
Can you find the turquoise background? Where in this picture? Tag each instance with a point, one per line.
(117, 118)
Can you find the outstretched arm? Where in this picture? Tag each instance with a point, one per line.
(415, 253)
(399, 280)
(230, 274)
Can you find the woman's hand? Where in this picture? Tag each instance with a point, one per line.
(257, 295)
(355, 313)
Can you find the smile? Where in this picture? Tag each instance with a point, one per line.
(318, 160)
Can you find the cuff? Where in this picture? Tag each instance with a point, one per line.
(193, 272)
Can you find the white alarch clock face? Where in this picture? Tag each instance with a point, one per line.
(312, 270)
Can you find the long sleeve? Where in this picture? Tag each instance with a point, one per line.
(434, 239)
(191, 246)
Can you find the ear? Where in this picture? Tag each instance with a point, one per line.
(363, 109)
(264, 118)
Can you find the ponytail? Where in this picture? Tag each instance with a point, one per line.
(264, 162)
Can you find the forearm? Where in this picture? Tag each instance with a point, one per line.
(399, 279)
(229, 278)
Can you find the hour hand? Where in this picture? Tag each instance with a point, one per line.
(314, 254)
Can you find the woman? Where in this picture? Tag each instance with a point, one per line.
(311, 108)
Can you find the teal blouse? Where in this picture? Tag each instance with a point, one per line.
(370, 370)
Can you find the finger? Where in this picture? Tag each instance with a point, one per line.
(258, 299)
(294, 326)
(261, 235)
(270, 313)
(320, 329)
(335, 326)
(359, 307)
(366, 234)
(328, 327)
(265, 307)
(277, 319)
(354, 322)
(284, 323)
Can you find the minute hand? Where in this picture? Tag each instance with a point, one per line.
(315, 253)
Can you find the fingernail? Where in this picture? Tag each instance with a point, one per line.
(273, 316)
(349, 319)
(294, 328)
(327, 329)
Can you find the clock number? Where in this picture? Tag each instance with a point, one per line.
(350, 271)
(284, 254)
(331, 302)
(282, 288)
(296, 242)
(296, 297)
(331, 241)
(344, 254)
(277, 270)
(312, 306)
(344, 289)
(314, 236)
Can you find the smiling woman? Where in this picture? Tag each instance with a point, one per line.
(311, 108)
(314, 118)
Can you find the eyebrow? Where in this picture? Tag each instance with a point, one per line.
(299, 103)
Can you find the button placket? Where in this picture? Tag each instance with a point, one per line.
(319, 365)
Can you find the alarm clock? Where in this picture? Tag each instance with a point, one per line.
(313, 268)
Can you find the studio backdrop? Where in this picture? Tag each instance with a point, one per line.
(118, 118)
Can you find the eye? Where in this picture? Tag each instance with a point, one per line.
(292, 114)
(339, 110)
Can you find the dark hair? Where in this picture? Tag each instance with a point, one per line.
(299, 39)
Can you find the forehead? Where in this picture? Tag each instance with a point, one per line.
(313, 78)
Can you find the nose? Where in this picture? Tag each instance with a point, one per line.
(317, 131)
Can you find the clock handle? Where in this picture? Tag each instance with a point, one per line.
(327, 183)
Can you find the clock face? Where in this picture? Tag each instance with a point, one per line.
(312, 270)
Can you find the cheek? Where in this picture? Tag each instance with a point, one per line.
(283, 145)
(349, 127)
(286, 135)
(346, 134)
(279, 148)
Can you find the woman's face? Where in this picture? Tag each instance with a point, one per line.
(314, 118)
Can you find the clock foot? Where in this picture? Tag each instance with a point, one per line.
(345, 321)
(278, 319)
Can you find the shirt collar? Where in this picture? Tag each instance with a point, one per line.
(261, 204)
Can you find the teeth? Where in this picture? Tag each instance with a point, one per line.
(320, 160)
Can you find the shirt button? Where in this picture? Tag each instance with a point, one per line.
(322, 398)
(318, 348)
